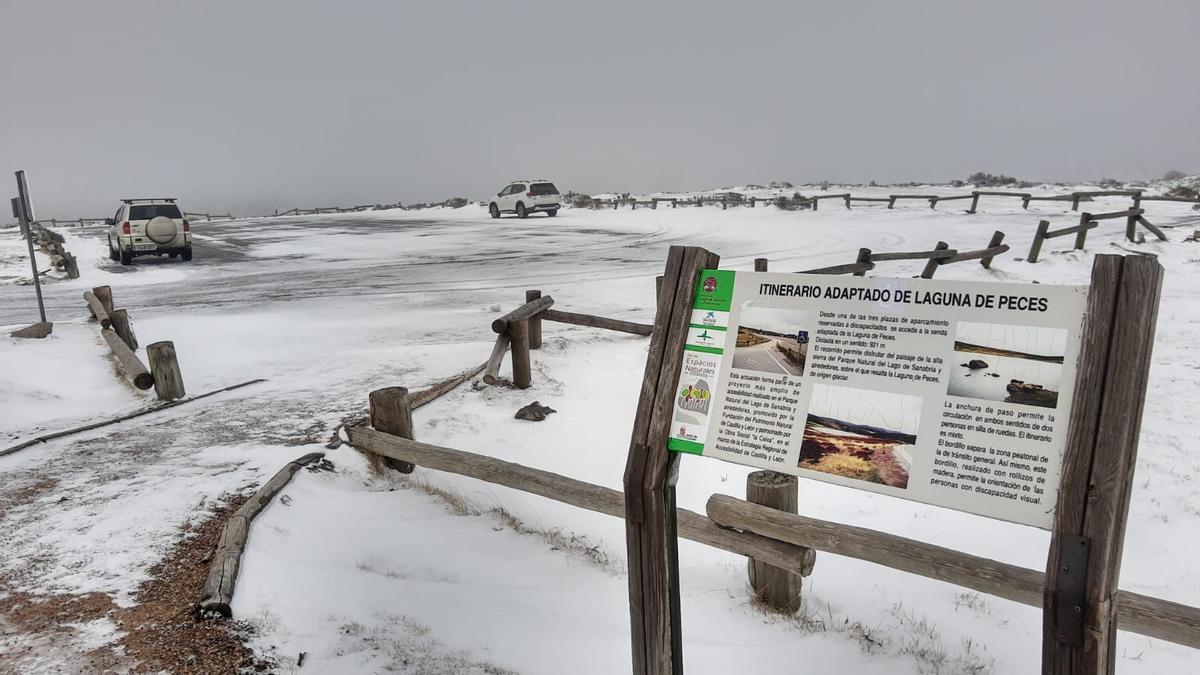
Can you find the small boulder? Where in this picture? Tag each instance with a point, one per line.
(977, 364)
(37, 330)
(534, 412)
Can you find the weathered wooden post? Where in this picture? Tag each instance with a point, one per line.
(847, 198)
(71, 265)
(391, 413)
(932, 264)
(119, 319)
(815, 201)
(864, 256)
(996, 240)
(104, 295)
(535, 322)
(491, 370)
(1074, 201)
(1038, 238)
(96, 308)
(753, 201)
(1131, 222)
(518, 332)
(1025, 201)
(760, 264)
(777, 588)
(168, 382)
(1079, 627)
(933, 202)
(1081, 235)
(651, 473)
(891, 201)
(974, 202)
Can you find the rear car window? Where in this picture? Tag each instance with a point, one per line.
(543, 189)
(148, 211)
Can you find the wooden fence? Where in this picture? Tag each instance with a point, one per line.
(1089, 221)
(848, 200)
(53, 244)
(779, 541)
(117, 331)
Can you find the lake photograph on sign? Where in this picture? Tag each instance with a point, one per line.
(1009, 364)
(861, 434)
(772, 340)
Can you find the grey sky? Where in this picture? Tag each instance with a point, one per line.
(257, 105)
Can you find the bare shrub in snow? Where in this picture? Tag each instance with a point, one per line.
(1174, 174)
(456, 202)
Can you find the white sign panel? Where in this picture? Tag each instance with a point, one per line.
(950, 393)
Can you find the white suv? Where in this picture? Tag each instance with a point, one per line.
(148, 227)
(524, 197)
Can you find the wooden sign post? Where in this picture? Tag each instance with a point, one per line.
(1080, 588)
(650, 474)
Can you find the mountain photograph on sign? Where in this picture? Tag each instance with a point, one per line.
(1009, 364)
(861, 434)
(772, 340)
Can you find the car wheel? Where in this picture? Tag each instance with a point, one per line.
(521, 212)
(552, 212)
(494, 210)
(112, 252)
(187, 254)
(126, 257)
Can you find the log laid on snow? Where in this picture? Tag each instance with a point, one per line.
(223, 572)
(592, 321)
(127, 361)
(525, 311)
(439, 389)
(99, 312)
(576, 493)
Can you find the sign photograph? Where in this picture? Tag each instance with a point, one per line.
(954, 394)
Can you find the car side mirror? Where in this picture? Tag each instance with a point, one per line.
(109, 221)
(499, 194)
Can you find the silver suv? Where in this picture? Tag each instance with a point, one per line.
(148, 227)
(524, 197)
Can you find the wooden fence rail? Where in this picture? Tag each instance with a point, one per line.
(115, 327)
(1136, 613)
(578, 493)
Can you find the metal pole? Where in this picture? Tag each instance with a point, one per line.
(25, 217)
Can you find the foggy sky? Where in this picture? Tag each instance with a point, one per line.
(258, 105)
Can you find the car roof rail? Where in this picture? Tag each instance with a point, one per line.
(149, 199)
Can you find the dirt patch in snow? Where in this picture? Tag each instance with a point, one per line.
(159, 633)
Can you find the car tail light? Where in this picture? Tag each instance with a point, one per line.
(186, 227)
(125, 228)
(528, 194)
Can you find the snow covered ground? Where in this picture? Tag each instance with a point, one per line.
(364, 574)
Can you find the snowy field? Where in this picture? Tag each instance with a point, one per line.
(442, 574)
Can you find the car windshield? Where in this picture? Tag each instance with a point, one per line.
(543, 189)
(148, 211)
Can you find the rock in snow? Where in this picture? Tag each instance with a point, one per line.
(534, 412)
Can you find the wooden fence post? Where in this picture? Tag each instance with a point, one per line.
(760, 264)
(777, 588)
(651, 472)
(815, 201)
(518, 331)
(491, 370)
(974, 202)
(864, 256)
(391, 413)
(168, 381)
(891, 201)
(104, 295)
(1079, 627)
(932, 264)
(1081, 236)
(1042, 228)
(535, 322)
(1075, 201)
(1131, 226)
(997, 238)
(119, 320)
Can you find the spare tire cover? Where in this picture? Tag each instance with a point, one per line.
(161, 230)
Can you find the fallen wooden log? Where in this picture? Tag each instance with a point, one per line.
(127, 361)
(439, 389)
(116, 420)
(596, 322)
(692, 525)
(97, 309)
(223, 572)
(523, 312)
(914, 255)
